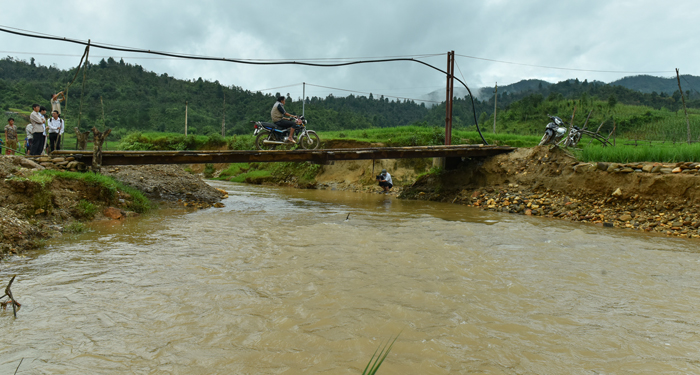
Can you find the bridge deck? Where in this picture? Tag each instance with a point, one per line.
(255, 156)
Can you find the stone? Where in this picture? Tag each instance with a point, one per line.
(612, 167)
(219, 205)
(26, 163)
(647, 168)
(656, 169)
(665, 170)
(113, 213)
(70, 158)
(57, 160)
(617, 193)
(677, 170)
(602, 166)
(625, 217)
(626, 170)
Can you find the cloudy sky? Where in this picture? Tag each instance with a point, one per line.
(535, 37)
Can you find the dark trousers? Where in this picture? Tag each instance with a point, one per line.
(37, 143)
(53, 142)
(285, 124)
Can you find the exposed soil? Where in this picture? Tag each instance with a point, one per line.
(31, 212)
(548, 182)
(166, 182)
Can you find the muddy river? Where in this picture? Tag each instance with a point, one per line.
(281, 281)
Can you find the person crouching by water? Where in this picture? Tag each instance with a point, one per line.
(384, 180)
(37, 121)
(278, 114)
(55, 130)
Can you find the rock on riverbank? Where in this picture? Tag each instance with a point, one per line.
(542, 181)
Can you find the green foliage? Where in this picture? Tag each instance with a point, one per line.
(86, 210)
(644, 152)
(377, 359)
(208, 170)
(75, 228)
(109, 187)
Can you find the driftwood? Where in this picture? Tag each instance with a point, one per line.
(99, 139)
(81, 139)
(8, 293)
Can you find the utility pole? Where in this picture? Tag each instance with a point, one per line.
(185, 119)
(495, 107)
(303, 98)
(450, 96)
(687, 122)
(223, 122)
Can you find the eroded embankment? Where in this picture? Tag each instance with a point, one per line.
(37, 203)
(548, 182)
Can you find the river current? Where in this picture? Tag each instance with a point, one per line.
(282, 281)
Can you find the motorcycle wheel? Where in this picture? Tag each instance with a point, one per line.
(310, 141)
(263, 135)
(545, 139)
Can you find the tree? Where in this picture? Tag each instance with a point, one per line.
(612, 101)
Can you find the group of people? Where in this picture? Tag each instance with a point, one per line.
(40, 125)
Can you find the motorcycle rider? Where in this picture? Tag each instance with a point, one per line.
(278, 114)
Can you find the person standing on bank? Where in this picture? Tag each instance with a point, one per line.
(385, 181)
(37, 120)
(10, 136)
(278, 114)
(56, 100)
(55, 130)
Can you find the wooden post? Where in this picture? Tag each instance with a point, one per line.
(687, 122)
(185, 118)
(98, 139)
(495, 107)
(80, 139)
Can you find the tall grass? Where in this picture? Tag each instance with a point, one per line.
(656, 152)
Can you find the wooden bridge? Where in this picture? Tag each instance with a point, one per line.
(323, 156)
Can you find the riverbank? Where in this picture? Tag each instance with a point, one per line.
(39, 203)
(548, 182)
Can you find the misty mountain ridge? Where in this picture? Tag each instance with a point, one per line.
(643, 83)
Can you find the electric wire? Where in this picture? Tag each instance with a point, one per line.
(249, 62)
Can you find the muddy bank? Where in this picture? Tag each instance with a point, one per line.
(37, 204)
(548, 182)
(166, 183)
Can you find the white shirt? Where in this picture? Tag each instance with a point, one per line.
(56, 125)
(387, 177)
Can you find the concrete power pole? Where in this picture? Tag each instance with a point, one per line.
(223, 121)
(185, 119)
(495, 107)
(687, 122)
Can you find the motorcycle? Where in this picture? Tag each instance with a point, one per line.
(573, 138)
(554, 131)
(269, 136)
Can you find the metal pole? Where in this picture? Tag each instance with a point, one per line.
(303, 99)
(185, 118)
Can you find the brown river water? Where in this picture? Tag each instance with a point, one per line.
(279, 282)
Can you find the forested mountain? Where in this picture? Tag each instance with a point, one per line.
(649, 84)
(138, 100)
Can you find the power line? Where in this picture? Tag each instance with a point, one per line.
(558, 68)
(242, 61)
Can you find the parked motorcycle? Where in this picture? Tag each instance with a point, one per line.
(269, 136)
(554, 131)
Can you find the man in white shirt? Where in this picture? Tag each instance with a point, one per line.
(385, 181)
(55, 130)
(37, 121)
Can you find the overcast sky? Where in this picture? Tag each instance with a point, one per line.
(631, 37)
